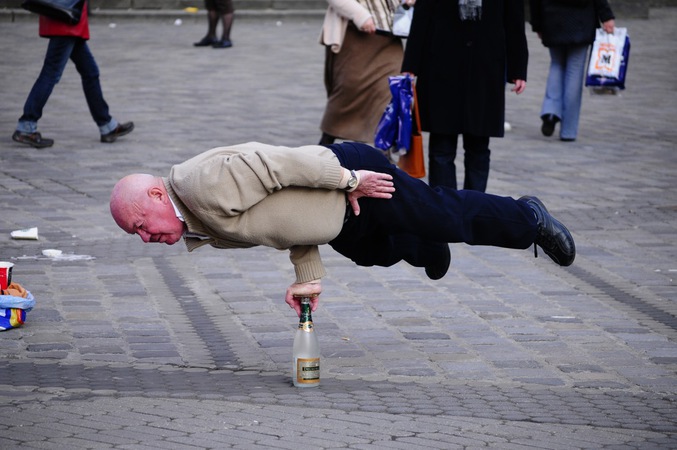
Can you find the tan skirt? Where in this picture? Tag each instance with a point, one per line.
(356, 80)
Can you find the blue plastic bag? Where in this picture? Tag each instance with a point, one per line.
(11, 318)
(386, 128)
(13, 310)
(393, 131)
(11, 301)
(404, 117)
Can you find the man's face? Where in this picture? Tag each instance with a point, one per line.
(153, 218)
(159, 226)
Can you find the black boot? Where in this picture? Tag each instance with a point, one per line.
(549, 122)
(552, 236)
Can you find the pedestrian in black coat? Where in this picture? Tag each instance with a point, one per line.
(462, 53)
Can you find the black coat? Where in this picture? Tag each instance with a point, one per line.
(568, 22)
(462, 66)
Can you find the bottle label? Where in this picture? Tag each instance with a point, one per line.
(308, 370)
(306, 326)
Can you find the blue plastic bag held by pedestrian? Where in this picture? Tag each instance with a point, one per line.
(386, 128)
(404, 122)
(393, 131)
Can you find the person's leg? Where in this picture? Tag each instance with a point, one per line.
(438, 214)
(551, 109)
(386, 250)
(573, 91)
(227, 21)
(445, 215)
(477, 159)
(212, 22)
(225, 11)
(441, 166)
(58, 51)
(91, 85)
(86, 65)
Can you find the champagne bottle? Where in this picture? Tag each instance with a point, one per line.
(306, 351)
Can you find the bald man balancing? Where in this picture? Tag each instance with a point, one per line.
(346, 195)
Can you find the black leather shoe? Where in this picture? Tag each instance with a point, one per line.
(120, 130)
(438, 270)
(223, 43)
(205, 42)
(549, 122)
(552, 236)
(33, 139)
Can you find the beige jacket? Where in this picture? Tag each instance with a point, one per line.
(256, 194)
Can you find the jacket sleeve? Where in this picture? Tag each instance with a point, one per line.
(517, 56)
(536, 15)
(603, 10)
(250, 172)
(307, 263)
(350, 10)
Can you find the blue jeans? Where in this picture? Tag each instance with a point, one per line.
(412, 225)
(564, 88)
(442, 153)
(59, 50)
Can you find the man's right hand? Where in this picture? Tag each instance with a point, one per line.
(296, 291)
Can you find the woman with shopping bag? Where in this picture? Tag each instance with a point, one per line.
(567, 28)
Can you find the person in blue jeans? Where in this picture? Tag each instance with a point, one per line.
(67, 42)
(567, 28)
(348, 195)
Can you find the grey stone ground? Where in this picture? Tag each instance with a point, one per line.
(140, 346)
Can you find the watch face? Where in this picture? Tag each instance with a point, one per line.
(352, 182)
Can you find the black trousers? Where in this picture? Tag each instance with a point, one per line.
(442, 153)
(418, 219)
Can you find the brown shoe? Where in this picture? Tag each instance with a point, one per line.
(120, 130)
(33, 139)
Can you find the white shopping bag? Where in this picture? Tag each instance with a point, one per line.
(402, 20)
(607, 53)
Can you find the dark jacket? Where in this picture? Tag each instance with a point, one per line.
(568, 22)
(462, 67)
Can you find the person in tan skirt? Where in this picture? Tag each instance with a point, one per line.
(361, 53)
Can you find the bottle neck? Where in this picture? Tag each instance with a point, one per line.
(306, 319)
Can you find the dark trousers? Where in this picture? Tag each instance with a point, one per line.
(59, 51)
(442, 153)
(413, 224)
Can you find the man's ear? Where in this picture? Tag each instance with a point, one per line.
(156, 193)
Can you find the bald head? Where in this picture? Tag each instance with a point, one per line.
(127, 192)
(140, 204)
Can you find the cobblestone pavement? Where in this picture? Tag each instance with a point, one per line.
(142, 346)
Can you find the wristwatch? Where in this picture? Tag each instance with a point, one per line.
(352, 181)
